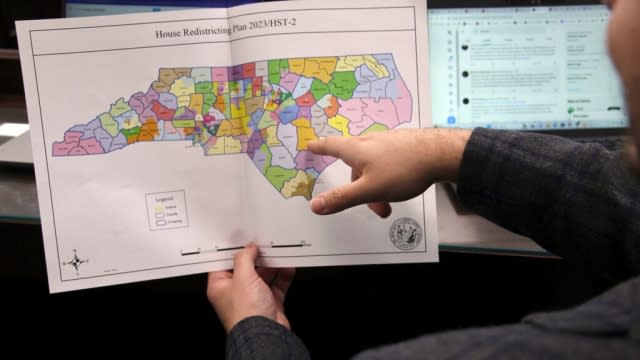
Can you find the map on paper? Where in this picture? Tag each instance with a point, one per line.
(267, 109)
(165, 142)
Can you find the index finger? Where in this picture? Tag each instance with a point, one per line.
(336, 146)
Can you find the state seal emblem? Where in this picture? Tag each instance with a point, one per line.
(406, 233)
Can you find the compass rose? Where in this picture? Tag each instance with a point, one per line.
(75, 261)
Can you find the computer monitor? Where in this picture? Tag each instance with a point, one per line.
(73, 8)
(543, 67)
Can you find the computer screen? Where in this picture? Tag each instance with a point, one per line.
(523, 68)
(75, 8)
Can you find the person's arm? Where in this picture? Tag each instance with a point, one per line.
(258, 337)
(390, 166)
(250, 304)
(575, 200)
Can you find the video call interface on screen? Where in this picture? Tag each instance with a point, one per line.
(523, 68)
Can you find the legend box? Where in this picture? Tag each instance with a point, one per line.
(167, 210)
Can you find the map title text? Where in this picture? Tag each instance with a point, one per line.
(255, 24)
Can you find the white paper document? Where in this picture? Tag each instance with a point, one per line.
(164, 142)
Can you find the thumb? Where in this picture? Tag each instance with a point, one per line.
(244, 262)
(343, 197)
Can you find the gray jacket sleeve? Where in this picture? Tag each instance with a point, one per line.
(575, 200)
(261, 338)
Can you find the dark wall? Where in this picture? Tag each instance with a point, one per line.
(11, 83)
(10, 11)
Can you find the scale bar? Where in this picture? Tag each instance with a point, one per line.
(190, 253)
(231, 248)
(275, 246)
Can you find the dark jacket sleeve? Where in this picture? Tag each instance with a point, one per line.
(261, 338)
(575, 200)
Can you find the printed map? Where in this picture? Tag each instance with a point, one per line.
(268, 110)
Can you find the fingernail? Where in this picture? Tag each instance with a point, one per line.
(318, 205)
(315, 140)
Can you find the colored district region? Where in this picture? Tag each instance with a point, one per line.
(268, 110)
